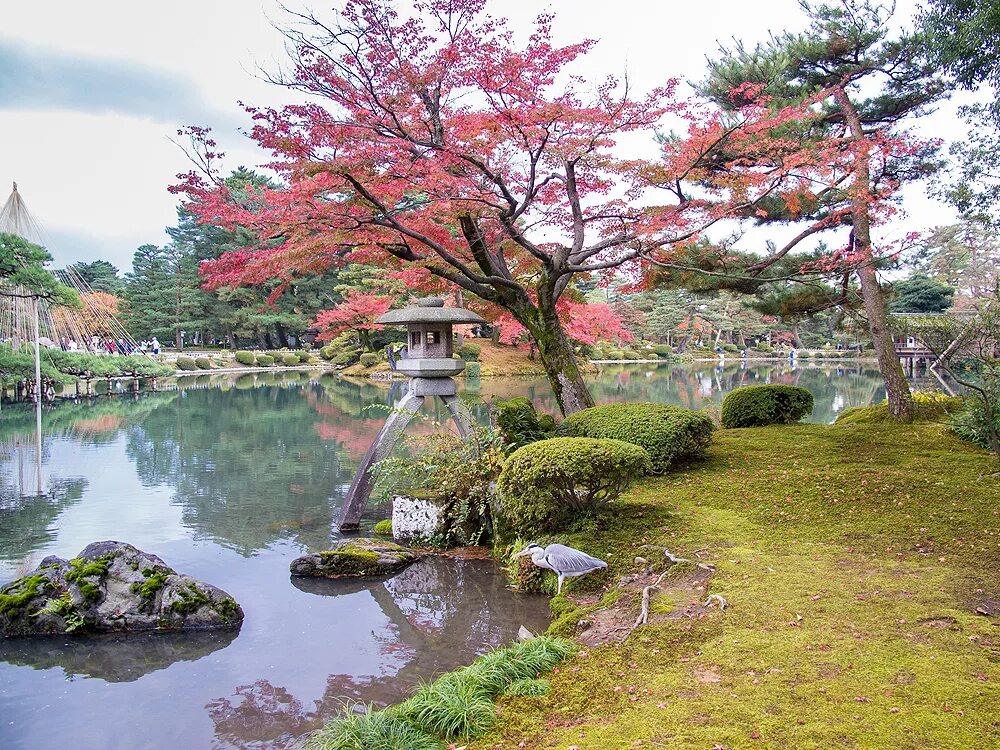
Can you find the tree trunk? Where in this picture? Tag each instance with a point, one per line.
(559, 360)
(897, 390)
(282, 335)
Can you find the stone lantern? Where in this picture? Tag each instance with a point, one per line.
(429, 362)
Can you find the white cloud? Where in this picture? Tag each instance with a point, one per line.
(102, 178)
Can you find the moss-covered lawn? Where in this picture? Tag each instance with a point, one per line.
(853, 558)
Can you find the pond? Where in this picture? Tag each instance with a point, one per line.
(228, 479)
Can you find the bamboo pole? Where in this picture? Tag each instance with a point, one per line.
(38, 397)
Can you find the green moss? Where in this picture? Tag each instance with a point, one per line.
(80, 569)
(361, 555)
(228, 609)
(384, 527)
(191, 599)
(156, 579)
(21, 592)
(839, 550)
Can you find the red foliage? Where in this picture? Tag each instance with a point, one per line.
(357, 312)
(439, 142)
(584, 323)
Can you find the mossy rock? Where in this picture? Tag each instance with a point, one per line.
(355, 558)
(111, 587)
(384, 527)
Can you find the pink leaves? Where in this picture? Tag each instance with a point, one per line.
(357, 312)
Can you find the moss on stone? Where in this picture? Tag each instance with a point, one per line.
(80, 568)
(156, 579)
(384, 527)
(228, 609)
(191, 599)
(21, 592)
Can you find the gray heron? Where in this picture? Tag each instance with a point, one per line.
(565, 561)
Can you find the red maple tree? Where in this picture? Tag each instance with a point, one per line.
(356, 313)
(436, 141)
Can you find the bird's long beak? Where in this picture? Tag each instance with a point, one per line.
(523, 553)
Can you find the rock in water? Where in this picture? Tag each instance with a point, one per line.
(356, 557)
(112, 587)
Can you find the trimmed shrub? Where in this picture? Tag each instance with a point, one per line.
(546, 485)
(186, 363)
(384, 527)
(369, 359)
(469, 352)
(759, 405)
(203, 363)
(473, 370)
(668, 433)
(663, 350)
(616, 354)
(764, 347)
(519, 424)
(345, 359)
(264, 360)
(328, 352)
(303, 356)
(289, 360)
(730, 348)
(245, 358)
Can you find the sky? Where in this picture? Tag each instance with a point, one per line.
(91, 94)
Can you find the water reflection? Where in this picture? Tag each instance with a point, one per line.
(114, 658)
(439, 614)
(245, 467)
(228, 478)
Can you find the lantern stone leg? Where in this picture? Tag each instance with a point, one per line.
(385, 441)
(460, 415)
(429, 363)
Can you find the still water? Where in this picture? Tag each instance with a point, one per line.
(228, 480)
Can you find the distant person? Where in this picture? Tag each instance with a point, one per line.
(154, 344)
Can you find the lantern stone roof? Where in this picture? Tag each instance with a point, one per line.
(429, 310)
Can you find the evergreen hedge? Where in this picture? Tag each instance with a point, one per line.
(759, 405)
(546, 485)
(668, 433)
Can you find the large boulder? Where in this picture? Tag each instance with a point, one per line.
(356, 557)
(112, 587)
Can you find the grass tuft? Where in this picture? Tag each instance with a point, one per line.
(372, 730)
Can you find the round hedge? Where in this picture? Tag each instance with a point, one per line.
(185, 363)
(264, 360)
(245, 358)
(288, 360)
(544, 485)
(668, 433)
(470, 352)
(369, 359)
(759, 405)
(203, 363)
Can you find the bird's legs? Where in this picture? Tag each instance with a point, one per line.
(559, 587)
